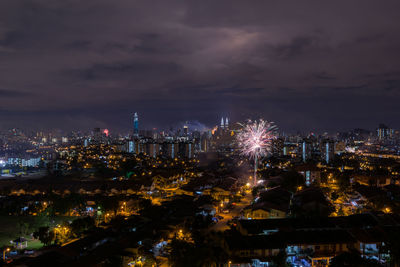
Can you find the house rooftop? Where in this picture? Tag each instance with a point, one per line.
(362, 221)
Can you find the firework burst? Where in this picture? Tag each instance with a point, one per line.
(255, 140)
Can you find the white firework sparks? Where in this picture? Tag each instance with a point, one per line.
(255, 140)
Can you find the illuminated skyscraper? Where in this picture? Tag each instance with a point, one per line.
(222, 123)
(305, 150)
(136, 124)
(131, 147)
(173, 150)
(384, 132)
(327, 150)
(226, 123)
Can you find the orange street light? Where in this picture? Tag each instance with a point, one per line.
(4, 253)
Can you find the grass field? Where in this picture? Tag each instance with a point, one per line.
(12, 227)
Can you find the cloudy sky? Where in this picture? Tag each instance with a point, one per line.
(313, 65)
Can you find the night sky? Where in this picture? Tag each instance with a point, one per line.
(307, 65)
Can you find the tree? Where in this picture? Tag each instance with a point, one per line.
(182, 254)
(354, 259)
(256, 190)
(205, 251)
(45, 235)
(64, 205)
(380, 201)
(23, 227)
(280, 259)
(113, 261)
(109, 204)
(127, 167)
(334, 196)
(102, 170)
(144, 203)
(81, 225)
(291, 180)
(62, 233)
(340, 211)
(343, 180)
(324, 177)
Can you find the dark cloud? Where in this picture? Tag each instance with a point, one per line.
(123, 70)
(324, 76)
(296, 47)
(305, 66)
(5, 93)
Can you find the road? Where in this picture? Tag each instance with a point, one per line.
(221, 225)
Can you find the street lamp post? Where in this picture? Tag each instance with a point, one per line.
(4, 253)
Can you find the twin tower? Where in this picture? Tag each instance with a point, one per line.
(226, 124)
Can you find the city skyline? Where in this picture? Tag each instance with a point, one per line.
(192, 125)
(321, 67)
